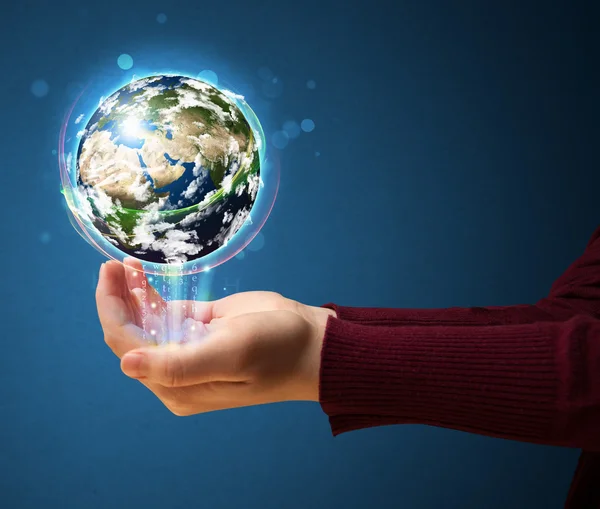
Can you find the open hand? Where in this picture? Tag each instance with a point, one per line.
(252, 347)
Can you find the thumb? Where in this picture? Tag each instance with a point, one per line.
(180, 365)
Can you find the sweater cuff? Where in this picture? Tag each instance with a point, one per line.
(497, 381)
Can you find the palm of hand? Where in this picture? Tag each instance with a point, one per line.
(253, 329)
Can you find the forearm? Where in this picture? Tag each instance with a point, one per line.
(535, 382)
(472, 316)
(577, 291)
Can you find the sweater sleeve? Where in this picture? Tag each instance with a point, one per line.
(576, 291)
(491, 315)
(535, 382)
(523, 372)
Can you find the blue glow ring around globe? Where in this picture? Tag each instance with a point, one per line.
(265, 199)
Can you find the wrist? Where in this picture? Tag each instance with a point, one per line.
(318, 318)
(321, 314)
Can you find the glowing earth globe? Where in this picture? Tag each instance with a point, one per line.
(168, 169)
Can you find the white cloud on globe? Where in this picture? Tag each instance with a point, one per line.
(190, 133)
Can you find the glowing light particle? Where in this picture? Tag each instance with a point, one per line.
(125, 61)
(161, 18)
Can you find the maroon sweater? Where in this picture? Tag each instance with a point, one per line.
(526, 372)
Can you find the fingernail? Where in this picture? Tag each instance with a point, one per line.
(133, 364)
(102, 267)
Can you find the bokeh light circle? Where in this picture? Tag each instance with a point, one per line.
(258, 243)
(280, 139)
(125, 61)
(40, 88)
(273, 88)
(71, 132)
(307, 125)
(291, 128)
(265, 74)
(209, 76)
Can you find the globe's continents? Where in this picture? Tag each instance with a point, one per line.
(168, 169)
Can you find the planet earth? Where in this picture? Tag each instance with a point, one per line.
(168, 169)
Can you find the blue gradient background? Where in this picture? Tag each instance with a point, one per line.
(457, 167)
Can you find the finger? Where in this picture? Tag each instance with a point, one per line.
(175, 398)
(130, 337)
(211, 397)
(182, 365)
(113, 310)
(191, 330)
(135, 272)
(147, 309)
(182, 322)
(137, 279)
(232, 305)
(249, 302)
(121, 334)
(202, 398)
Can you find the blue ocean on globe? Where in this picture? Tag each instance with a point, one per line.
(168, 168)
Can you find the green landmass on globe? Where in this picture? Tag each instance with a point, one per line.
(168, 169)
